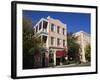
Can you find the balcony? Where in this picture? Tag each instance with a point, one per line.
(43, 32)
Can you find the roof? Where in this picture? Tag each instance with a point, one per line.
(49, 18)
(55, 20)
(85, 33)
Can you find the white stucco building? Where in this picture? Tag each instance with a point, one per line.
(83, 39)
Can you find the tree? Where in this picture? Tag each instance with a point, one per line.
(31, 44)
(88, 52)
(73, 48)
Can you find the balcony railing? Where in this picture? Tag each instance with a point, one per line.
(44, 32)
(41, 32)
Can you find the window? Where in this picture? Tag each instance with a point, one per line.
(52, 27)
(58, 41)
(52, 40)
(58, 29)
(63, 42)
(63, 31)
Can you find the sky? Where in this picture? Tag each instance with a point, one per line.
(75, 21)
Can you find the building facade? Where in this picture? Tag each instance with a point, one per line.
(54, 35)
(83, 39)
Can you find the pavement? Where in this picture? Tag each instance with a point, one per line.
(73, 65)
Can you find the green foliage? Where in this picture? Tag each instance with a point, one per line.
(88, 52)
(69, 62)
(73, 48)
(31, 44)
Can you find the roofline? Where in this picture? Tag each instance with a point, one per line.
(40, 21)
(81, 32)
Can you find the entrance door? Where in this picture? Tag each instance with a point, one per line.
(57, 61)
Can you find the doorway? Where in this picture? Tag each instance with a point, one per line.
(57, 61)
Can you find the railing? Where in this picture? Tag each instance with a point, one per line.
(44, 30)
(41, 32)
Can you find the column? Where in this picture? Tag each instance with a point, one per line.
(54, 58)
(83, 52)
(38, 28)
(42, 25)
(48, 24)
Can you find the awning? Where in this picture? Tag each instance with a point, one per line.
(60, 54)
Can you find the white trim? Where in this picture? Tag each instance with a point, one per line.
(40, 21)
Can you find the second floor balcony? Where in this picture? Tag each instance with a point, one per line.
(44, 32)
(41, 27)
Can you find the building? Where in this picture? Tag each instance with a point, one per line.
(54, 35)
(83, 39)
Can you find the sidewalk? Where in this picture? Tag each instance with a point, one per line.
(73, 65)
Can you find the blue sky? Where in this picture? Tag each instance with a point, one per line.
(75, 21)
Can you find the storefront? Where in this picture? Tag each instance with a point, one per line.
(56, 57)
(60, 55)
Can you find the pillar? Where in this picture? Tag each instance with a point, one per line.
(83, 50)
(42, 25)
(54, 58)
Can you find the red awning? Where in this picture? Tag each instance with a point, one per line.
(60, 54)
